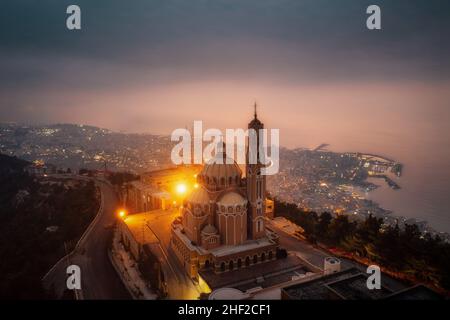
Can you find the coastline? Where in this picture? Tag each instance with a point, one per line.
(383, 171)
(392, 216)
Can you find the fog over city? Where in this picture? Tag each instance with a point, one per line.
(154, 66)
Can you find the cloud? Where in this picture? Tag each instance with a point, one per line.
(165, 43)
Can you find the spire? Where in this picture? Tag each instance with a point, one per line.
(222, 148)
(255, 123)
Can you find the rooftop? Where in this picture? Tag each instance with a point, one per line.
(317, 289)
(137, 224)
(247, 245)
(145, 187)
(355, 288)
(418, 292)
(350, 284)
(281, 270)
(222, 250)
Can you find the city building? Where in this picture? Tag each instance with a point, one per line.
(157, 189)
(351, 284)
(39, 168)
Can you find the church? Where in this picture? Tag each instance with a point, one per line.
(222, 222)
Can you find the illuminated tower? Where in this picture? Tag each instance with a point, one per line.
(256, 183)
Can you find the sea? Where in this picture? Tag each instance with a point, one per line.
(421, 145)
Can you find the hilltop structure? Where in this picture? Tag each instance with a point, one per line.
(222, 224)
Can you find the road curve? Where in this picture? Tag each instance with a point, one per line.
(99, 280)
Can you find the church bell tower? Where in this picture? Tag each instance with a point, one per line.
(256, 183)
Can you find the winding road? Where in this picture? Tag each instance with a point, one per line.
(99, 280)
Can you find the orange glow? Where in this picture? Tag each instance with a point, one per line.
(122, 213)
(181, 188)
(196, 186)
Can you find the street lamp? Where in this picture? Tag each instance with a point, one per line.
(122, 213)
(181, 188)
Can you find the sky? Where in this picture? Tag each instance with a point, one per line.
(313, 67)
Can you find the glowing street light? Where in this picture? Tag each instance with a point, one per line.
(122, 213)
(196, 186)
(181, 188)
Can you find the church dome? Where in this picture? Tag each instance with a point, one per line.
(221, 172)
(198, 196)
(231, 199)
(209, 229)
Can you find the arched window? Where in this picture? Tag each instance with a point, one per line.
(222, 266)
(206, 264)
(270, 255)
(247, 261)
(197, 210)
(222, 181)
(239, 263)
(230, 209)
(231, 265)
(263, 256)
(230, 180)
(259, 225)
(255, 259)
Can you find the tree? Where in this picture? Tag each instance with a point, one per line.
(341, 228)
(408, 251)
(323, 226)
(365, 237)
(389, 249)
